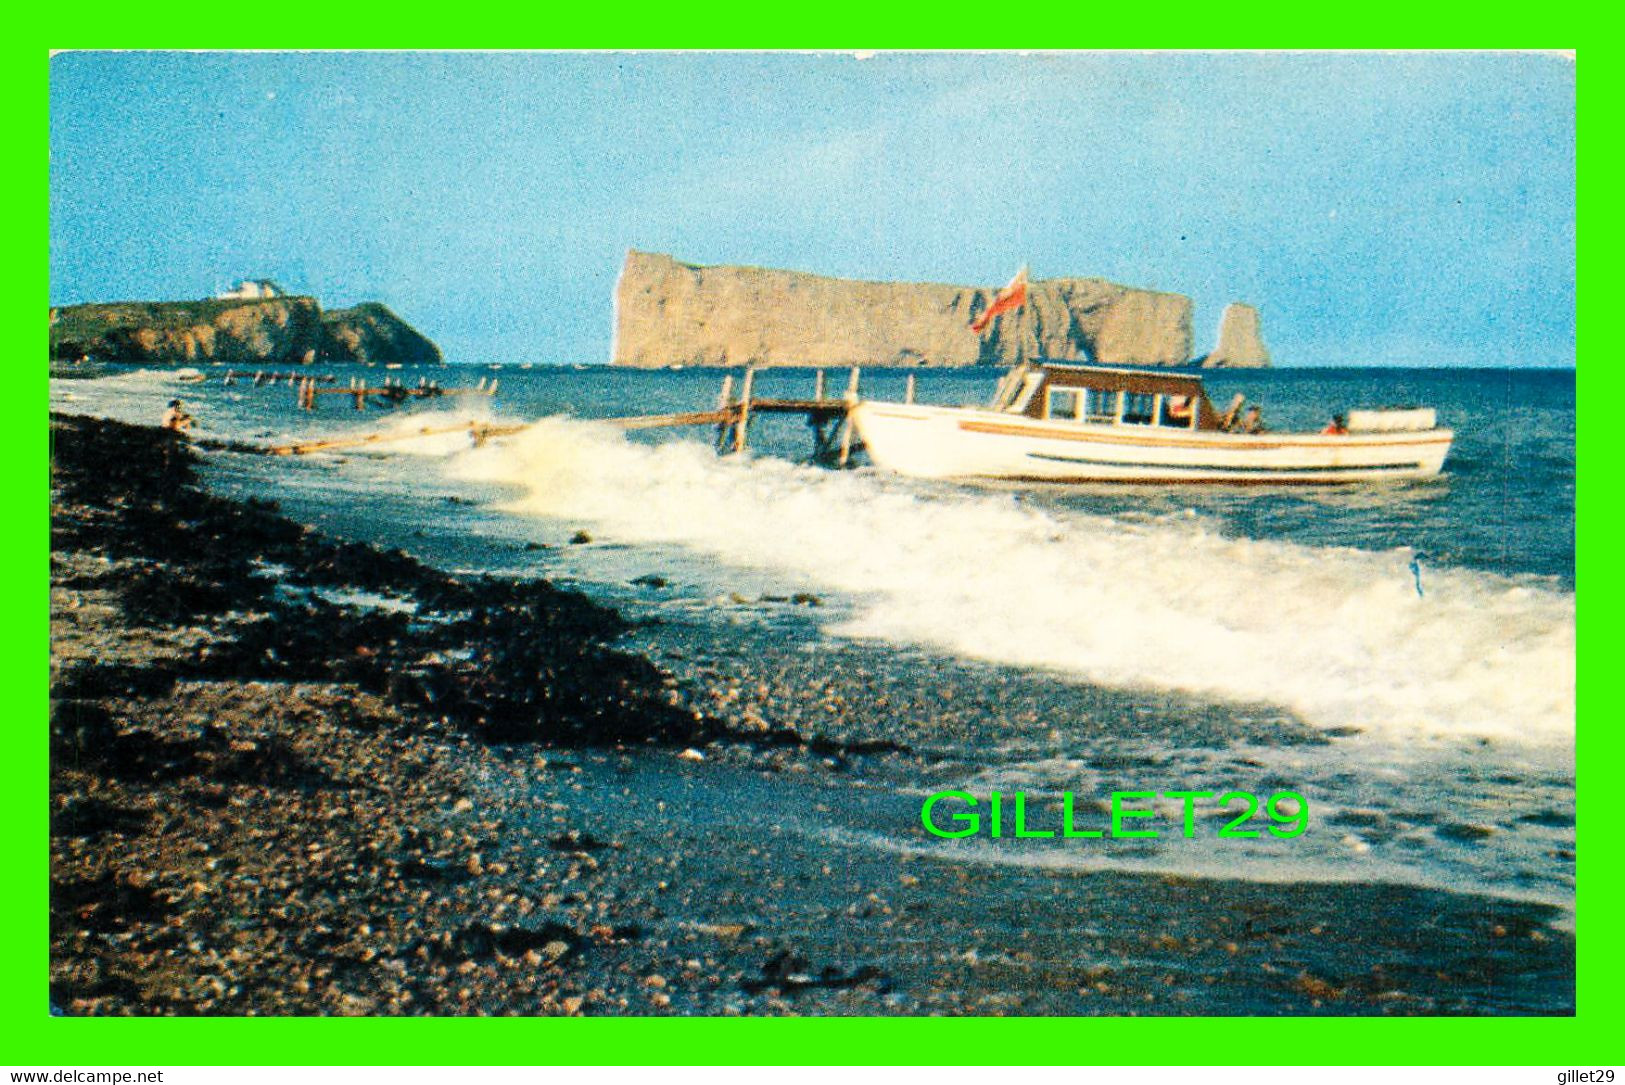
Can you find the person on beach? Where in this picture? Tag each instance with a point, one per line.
(1252, 421)
(1337, 427)
(176, 419)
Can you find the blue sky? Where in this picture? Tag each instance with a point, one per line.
(1378, 208)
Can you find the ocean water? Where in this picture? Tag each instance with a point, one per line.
(1422, 631)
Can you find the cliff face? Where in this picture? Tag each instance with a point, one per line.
(269, 332)
(1240, 341)
(670, 313)
(371, 333)
(272, 331)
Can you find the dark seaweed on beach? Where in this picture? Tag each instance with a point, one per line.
(507, 660)
(254, 778)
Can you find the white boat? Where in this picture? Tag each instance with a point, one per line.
(1088, 424)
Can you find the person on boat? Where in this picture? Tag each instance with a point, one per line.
(1177, 411)
(1337, 427)
(176, 419)
(1252, 421)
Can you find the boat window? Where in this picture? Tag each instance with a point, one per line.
(1064, 403)
(1029, 387)
(1178, 411)
(1139, 407)
(1102, 406)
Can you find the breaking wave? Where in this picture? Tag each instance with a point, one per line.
(1338, 636)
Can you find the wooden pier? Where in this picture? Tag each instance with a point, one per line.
(261, 378)
(308, 386)
(391, 393)
(827, 416)
(478, 432)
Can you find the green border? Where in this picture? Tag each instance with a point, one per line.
(32, 1038)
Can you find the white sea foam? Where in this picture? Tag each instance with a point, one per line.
(1272, 862)
(403, 434)
(1338, 636)
(133, 396)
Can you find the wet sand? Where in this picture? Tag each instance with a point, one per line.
(292, 774)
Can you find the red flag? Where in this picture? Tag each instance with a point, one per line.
(1011, 297)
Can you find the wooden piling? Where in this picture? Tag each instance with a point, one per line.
(846, 440)
(724, 401)
(742, 427)
(818, 387)
(908, 391)
(846, 421)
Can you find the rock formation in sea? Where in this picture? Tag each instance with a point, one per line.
(1240, 342)
(671, 313)
(265, 331)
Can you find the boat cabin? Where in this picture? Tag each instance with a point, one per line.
(1117, 397)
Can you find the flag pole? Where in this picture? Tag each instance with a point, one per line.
(1022, 327)
(1026, 304)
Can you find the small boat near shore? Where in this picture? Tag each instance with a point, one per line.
(1060, 423)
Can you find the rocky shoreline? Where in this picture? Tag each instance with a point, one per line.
(297, 775)
(267, 748)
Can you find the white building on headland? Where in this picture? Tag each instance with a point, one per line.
(253, 288)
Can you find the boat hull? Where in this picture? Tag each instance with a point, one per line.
(966, 443)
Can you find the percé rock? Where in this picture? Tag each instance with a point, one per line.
(1240, 343)
(235, 331)
(671, 313)
(369, 332)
